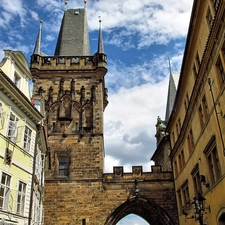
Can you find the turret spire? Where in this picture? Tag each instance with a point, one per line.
(171, 94)
(100, 40)
(37, 47)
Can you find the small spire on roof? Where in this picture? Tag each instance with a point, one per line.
(37, 47)
(85, 2)
(100, 40)
(65, 5)
(170, 66)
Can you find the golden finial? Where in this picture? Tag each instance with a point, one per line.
(41, 21)
(85, 2)
(65, 7)
(100, 20)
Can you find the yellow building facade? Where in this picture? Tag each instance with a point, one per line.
(197, 123)
(23, 145)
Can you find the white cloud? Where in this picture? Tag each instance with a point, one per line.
(49, 38)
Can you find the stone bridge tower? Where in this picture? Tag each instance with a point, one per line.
(77, 192)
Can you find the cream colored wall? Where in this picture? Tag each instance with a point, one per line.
(15, 62)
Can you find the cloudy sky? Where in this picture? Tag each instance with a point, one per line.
(139, 37)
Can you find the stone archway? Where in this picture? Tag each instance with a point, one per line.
(144, 208)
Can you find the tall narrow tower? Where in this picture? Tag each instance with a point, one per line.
(72, 84)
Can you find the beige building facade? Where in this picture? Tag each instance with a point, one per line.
(197, 123)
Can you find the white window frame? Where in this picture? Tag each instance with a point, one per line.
(21, 198)
(5, 191)
(27, 138)
(12, 127)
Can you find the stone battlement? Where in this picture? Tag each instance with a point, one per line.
(137, 173)
(68, 62)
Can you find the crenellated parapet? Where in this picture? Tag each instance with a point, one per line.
(137, 173)
(68, 62)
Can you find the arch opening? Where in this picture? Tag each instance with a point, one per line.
(148, 210)
(132, 219)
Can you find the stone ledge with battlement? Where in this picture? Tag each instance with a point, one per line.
(137, 173)
(68, 62)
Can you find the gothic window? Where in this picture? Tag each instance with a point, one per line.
(27, 138)
(5, 191)
(21, 194)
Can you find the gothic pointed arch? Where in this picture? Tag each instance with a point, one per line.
(145, 208)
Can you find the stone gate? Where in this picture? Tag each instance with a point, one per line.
(69, 88)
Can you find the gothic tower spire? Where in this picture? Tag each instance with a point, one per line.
(100, 40)
(37, 47)
(73, 39)
(171, 95)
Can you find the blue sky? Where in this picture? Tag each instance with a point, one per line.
(139, 37)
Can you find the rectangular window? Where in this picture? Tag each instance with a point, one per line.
(179, 201)
(196, 180)
(12, 127)
(17, 79)
(214, 165)
(21, 194)
(5, 191)
(27, 138)
(83, 221)
(201, 116)
(190, 140)
(213, 160)
(185, 193)
(205, 108)
(175, 169)
(173, 137)
(63, 165)
(181, 160)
